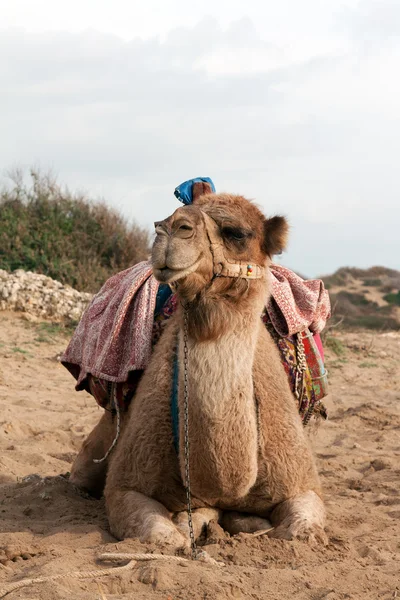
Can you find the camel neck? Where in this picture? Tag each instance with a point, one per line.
(222, 413)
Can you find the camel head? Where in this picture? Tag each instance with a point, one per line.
(218, 237)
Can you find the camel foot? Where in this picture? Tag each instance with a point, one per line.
(165, 533)
(201, 517)
(235, 522)
(301, 517)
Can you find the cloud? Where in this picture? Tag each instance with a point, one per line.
(374, 20)
(313, 136)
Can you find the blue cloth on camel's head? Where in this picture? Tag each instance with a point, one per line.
(184, 191)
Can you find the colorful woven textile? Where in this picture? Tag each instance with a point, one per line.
(297, 304)
(113, 337)
(311, 385)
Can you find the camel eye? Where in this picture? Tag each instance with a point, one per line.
(186, 228)
(234, 233)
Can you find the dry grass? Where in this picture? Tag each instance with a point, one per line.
(47, 229)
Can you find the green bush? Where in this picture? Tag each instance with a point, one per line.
(372, 282)
(49, 230)
(338, 278)
(393, 298)
(356, 299)
(353, 309)
(376, 322)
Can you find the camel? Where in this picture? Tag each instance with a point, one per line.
(250, 461)
(250, 465)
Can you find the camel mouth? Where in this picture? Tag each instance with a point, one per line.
(170, 275)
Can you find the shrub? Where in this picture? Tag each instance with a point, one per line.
(357, 299)
(356, 313)
(335, 345)
(353, 309)
(337, 279)
(47, 229)
(372, 282)
(393, 298)
(376, 322)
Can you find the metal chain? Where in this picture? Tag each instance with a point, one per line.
(186, 427)
(301, 368)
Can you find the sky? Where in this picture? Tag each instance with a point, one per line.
(292, 104)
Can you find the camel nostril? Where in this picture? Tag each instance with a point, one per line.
(160, 229)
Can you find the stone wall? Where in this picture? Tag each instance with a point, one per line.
(41, 296)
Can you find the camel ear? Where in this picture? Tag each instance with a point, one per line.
(200, 188)
(276, 232)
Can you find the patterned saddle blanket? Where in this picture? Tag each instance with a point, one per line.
(115, 337)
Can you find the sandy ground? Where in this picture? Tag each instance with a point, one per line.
(48, 528)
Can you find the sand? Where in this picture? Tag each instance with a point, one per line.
(48, 528)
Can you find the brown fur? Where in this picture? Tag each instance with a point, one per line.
(276, 232)
(248, 450)
(200, 189)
